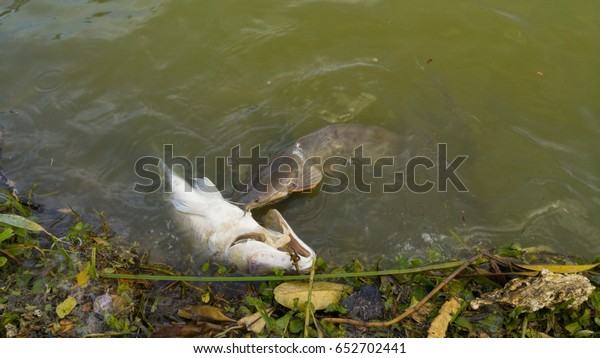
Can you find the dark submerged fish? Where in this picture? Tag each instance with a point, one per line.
(301, 166)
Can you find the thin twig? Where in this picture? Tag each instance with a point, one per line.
(319, 330)
(309, 309)
(224, 333)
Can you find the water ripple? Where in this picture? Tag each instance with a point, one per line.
(51, 80)
(549, 225)
(553, 146)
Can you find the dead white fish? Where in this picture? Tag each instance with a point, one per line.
(227, 234)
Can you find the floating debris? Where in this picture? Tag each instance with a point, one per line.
(544, 291)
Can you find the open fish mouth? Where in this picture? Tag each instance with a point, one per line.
(276, 246)
(274, 221)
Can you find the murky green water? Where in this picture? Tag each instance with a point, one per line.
(88, 87)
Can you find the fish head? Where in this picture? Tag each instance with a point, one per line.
(262, 194)
(285, 174)
(273, 246)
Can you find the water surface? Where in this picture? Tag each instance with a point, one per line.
(88, 87)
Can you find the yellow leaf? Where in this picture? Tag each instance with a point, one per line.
(83, 278)
(558, 268)
(66, 307)
(206, 297)
(439, 325)
(294, 294)
(202, 313)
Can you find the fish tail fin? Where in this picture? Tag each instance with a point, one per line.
(185, 197)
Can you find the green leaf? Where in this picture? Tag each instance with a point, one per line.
(492, 323)
(296, 325)
(6, 234)
(516, 312)
(21, 222)
(24, 223)
(63, 309)
(3, 261)
(282, 323)
(584, 333)
(510, 250)
(463, 322)
(23, 279)
(585, 319)
(573, 327)
(221, 270)
(39, 285)
(595, 299)
(119, 325)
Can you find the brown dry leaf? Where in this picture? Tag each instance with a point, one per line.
(101, 241)
(294, 295)
(203, 313)
(255, 322)
(65, 325)
(422, 313)
(201, 329)
(119, 304)
(558, 268)
(439, 325)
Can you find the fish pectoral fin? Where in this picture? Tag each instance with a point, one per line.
(311, 176)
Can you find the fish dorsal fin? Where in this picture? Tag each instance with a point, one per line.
(311, 176)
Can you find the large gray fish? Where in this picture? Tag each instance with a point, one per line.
(302, 172)
(227, 234)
